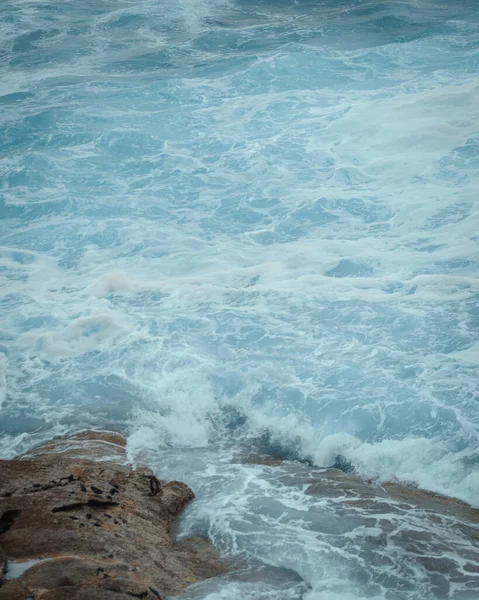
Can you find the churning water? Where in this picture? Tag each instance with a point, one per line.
(234, 226)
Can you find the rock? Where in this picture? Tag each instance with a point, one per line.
(100, 529)
(333, 482)
(408, 535)
(3, 563)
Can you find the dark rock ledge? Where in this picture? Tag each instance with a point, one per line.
(78, 523)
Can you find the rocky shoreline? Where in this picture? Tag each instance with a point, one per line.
(77, 522)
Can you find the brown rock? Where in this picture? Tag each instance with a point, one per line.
(104, 529)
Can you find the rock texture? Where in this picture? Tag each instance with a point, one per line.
(96, 528)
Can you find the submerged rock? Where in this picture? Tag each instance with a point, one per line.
(77, 522)
(394, 540)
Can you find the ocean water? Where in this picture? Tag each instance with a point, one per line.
(231, 227)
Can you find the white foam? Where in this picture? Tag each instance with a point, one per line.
(428, 463)
(245, 226)
(81, 335)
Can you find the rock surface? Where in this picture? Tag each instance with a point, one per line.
(421, 544)
(76, 522)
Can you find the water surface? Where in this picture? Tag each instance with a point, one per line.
(233, 226)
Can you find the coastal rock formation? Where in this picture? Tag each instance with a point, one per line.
(77, 522)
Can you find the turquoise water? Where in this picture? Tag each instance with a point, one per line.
(240, 226)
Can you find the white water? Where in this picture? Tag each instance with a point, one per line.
(250, 225)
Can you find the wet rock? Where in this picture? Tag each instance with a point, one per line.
(99, 528)
(413, 537)
(3, 563)
(333, 482)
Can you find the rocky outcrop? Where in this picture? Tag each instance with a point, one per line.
(77, 522)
